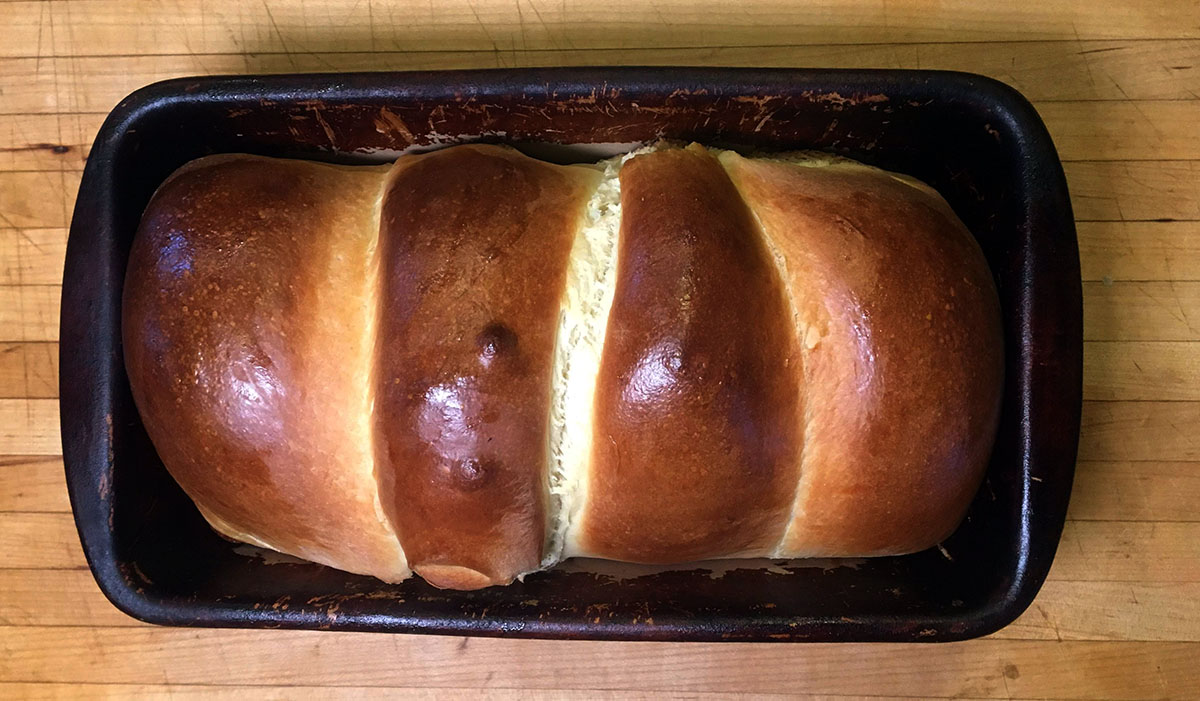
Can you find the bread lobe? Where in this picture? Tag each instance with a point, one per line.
(475, 246)
(246, 296)
(478, 364)
(900, 329)
(696, 443)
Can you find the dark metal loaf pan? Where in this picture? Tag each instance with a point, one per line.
(975, 140)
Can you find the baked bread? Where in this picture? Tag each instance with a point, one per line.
(471, 364)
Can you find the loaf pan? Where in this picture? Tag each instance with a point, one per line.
(977, 141)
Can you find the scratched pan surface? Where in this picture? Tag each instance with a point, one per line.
(975, 140)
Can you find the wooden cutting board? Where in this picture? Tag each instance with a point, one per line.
(1118, 83)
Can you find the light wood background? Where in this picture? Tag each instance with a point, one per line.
(1118, 84)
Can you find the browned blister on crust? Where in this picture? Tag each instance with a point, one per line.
(475, 247)
(696, 438)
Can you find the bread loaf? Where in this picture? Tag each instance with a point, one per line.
(471, 364)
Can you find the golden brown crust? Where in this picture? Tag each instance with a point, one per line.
(899, 322)
(696, 440)
(800, 360)
(246, 298)
(475, 246)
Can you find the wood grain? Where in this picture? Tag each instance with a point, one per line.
(29, 426)
(33, 199)
(1114, 131)
(1118, 85)
(56, 597)
(1084, 610)
(987, 668)
(1139, 250)
(208, 692)
(29, 312)
(31, 142)
(1141, 311)
(108, 27)
(32, 256)
(1043, 71)
(1128, 551)
(28, 370)
(33, 483)
(30, 84)
(1145, 490)
(39, 539)
(1141, 371)
(1134, 190)
(1161, 431)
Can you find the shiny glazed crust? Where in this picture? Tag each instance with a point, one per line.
(475, 253)
(695, 435)
(899, 326)
(247, 310)
(367, 366)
